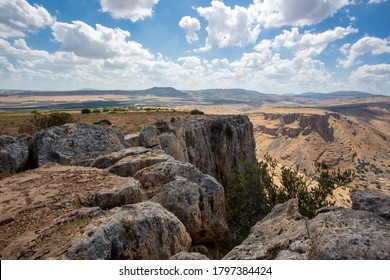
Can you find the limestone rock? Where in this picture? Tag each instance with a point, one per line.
(189, 256)
(106, 161)
(33, 199)
(75, 144)
(282, 234)
(133, 139)
(13, 154)
(129, 165)
(197, 199)
(139, 231)
(349, 234)
(216, 146)
(371, 201)
(148, 137)
(172, 146)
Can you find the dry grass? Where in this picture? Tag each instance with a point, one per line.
(129, 121)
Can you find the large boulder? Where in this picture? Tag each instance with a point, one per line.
(33, 199)
(75, 144)
(282, 234)
(148, 137)
(138, 231)
(197, 199)
(14, 154)
(349, 234)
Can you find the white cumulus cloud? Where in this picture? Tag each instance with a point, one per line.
(376, 1)
(100, 42)
(17, 17)
(296, 13)
(192, 25)
(228, 26)
(133, 10)
(371, 78)
(365, 45)
(305, 44)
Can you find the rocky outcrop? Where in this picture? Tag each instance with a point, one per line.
(197, 199)
(304, 124)
(215, 146)
(14, 153)
(282, 234)
(335, 233)
(75, 144)
(138, 231)
(33, 199)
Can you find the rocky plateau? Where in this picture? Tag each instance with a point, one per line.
(82, 191)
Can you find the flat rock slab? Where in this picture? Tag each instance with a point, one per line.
(31, 200)
(130, 165)
(139, 231)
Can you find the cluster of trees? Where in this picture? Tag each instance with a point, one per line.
(254, 191)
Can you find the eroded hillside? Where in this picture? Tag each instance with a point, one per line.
(300, 137)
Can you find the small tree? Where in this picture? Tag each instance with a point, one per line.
(196, 112)
(85, 111)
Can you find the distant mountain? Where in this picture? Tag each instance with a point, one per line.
(336, 94)
(225, 96)
(87, 89)
(161, 92)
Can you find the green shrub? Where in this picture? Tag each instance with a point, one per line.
(252, 192)
(96, 111)
(85, 111)
(196, 112)
(103, 122)
(40, 121)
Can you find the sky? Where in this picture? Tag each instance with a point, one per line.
(272, 46)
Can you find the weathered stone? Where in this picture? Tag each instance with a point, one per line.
(189, 256)
(282, 234)
(164, 172)
(349, 234)
(372, 201)
(172, 146)
(197, 199)
(35, 198)
(133, 139)
(148, 137)
(75, 144)
(129, 165)
(13, 154)
(110, 159)
(216, 146)
(139, 231)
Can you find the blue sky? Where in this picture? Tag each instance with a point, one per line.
(272, 46)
